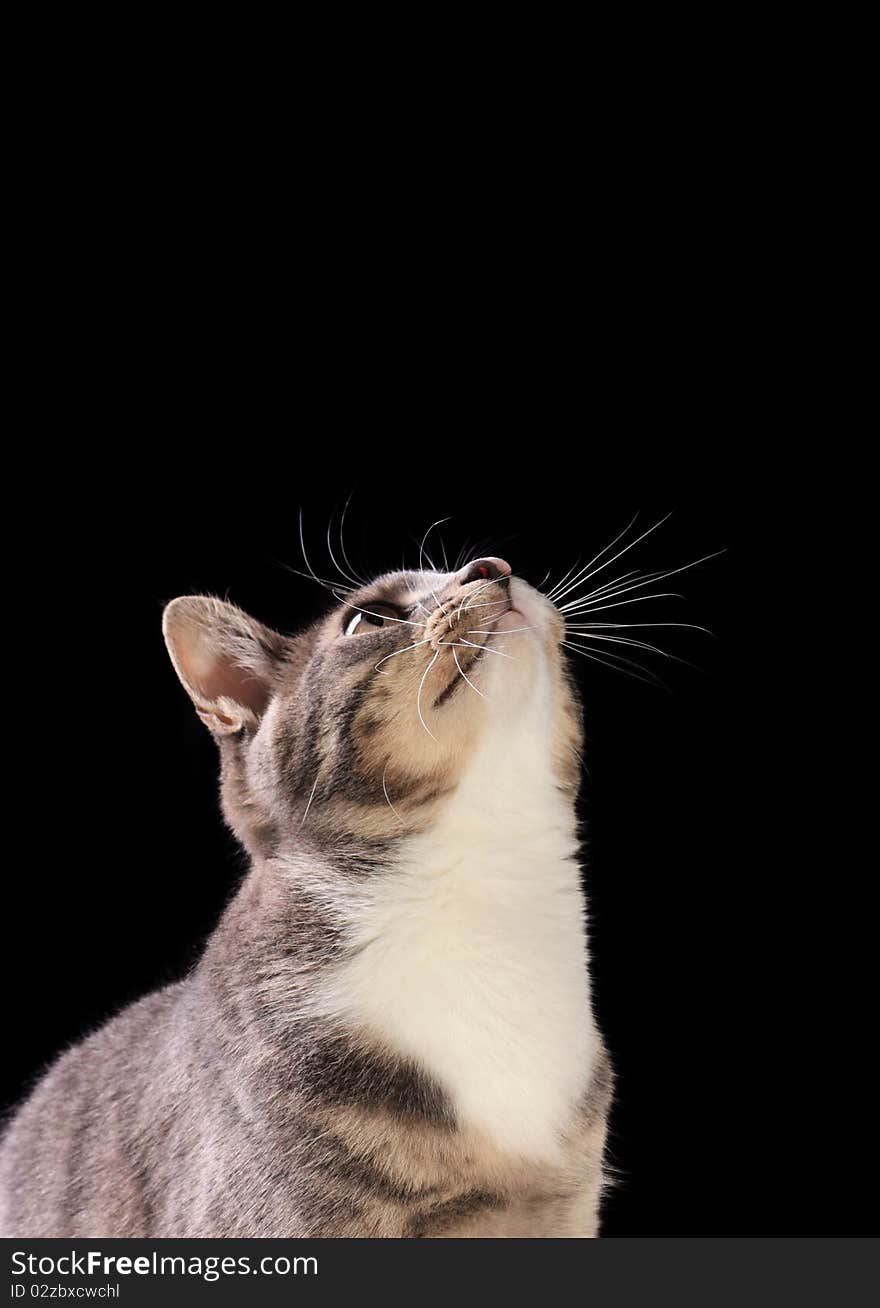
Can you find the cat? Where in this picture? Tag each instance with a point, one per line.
(390, 1031)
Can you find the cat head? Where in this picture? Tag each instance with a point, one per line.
(361, 726)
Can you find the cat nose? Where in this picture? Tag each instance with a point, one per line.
(488, 569)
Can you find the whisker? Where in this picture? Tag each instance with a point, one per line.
(584, 601)
(310, 576)
(322, 581)
(659, 576)
(422, 554)
(470, 644)
(649, 679)
(610, 585)
(405, 650)
(636, 599)
(691, 626)
(302, 544)
(624, 640)
(419, 696)
(311, 797)
(464, 674)
(562, 580)
(618, 640)
(508, 631)
(344, 575)
(466, 602)
(461, 556)
(581, 574)
(388, 800)
(361, 580)
(487, 648)
(625, 549)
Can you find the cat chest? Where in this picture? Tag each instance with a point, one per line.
(476, 970)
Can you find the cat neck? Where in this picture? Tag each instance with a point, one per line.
(461, 952)
(468, 956)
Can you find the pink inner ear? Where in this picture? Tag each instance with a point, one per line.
(213, 676)
(243, 686)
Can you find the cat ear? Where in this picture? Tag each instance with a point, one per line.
(227, 661)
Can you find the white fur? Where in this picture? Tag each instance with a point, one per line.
(471, 957)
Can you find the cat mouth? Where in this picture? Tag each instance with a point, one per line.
(523, 611)
(470, 654)
(510, 619)
(459, 678)
(467, 640)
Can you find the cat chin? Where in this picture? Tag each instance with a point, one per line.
(531, 622)
(531, 607)
(526, 638)
(511, 620)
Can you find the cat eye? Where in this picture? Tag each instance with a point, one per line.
(378, 616)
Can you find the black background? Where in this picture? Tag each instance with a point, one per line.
(725, 923)
(537, 320)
